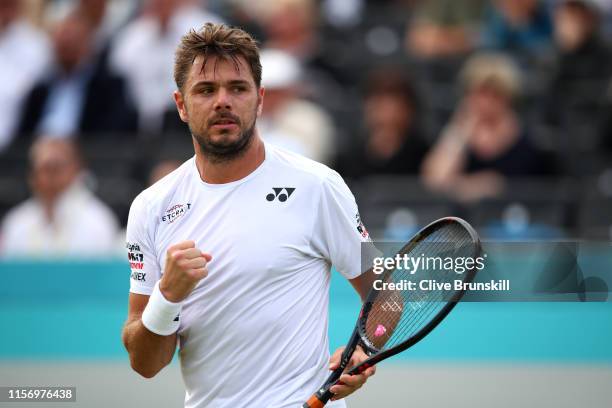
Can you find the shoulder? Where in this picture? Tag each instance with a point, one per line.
(285, 160)
(22, 212)
(156, 195)
(319, 179)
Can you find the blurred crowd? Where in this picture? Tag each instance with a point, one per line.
(469, 104)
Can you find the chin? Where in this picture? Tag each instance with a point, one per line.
(225, 137)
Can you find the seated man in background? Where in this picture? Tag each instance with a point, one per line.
(63, 218)
(573, 103)
(486, 139)
(80, 95)
(393, 142)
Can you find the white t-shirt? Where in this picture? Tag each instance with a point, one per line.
(254, 331)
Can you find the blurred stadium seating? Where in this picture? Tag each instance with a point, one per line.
(573, 204)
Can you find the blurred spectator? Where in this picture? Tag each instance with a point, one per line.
(393, 142)
(583, 69)
(443, 28)
(25, 54)
(105, 16)
(78, 96)
(144, 53)
(292, 26)
(583, 52)
(486, 140)
(288, 120)
(517, 25)
(63, 219)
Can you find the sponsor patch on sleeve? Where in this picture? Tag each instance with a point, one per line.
(360, 227)
(136, 260)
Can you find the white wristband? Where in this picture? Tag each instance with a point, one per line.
(160, 315)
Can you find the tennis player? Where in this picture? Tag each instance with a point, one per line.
(231, 253)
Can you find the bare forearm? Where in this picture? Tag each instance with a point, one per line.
(446, 161)
(149, 352)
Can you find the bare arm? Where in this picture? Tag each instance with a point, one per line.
(149, 352)
(444, 164)
(363, 283)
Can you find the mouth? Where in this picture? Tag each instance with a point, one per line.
(224, 122)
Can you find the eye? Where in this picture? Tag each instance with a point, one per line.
(238, 88)
(207, 90)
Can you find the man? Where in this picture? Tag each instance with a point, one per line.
(63, 219)
(231, 253)
(392, 141)
(79, 96)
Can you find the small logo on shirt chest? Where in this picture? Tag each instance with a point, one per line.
(175, 212)
(280, 193)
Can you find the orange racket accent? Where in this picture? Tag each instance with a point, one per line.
(314, 402)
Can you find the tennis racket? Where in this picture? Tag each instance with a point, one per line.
(391, 321)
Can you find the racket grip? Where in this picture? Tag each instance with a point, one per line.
(318, 400)
(359, 368)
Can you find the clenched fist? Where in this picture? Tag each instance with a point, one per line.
(185, 267)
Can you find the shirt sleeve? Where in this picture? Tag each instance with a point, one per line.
(338, 231)
(140, 249)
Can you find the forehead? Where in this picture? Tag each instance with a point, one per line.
(218, 69)
(50, 152)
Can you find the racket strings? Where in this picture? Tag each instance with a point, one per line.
(397, 315)
(428, 303)
(440, 276)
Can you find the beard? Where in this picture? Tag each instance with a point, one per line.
(224, 150)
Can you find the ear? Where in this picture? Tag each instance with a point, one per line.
(260, 96)
(180, 106)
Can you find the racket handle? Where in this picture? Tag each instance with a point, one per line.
(360, 368)
(318, 400)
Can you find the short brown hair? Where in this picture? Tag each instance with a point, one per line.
(217, 40)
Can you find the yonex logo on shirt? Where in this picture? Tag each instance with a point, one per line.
(280, 194)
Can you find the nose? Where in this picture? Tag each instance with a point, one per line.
(223, 100)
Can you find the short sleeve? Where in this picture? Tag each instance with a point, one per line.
(140, 249)
(338, 231)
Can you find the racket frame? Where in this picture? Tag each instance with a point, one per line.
(323, 395)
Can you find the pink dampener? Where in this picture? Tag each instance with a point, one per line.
(380, 330)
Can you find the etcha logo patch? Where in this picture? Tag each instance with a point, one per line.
(175, 212)
(280, 193)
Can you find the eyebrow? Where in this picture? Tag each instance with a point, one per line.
(212, 83)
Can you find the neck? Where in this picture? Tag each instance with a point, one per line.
(214, 172)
